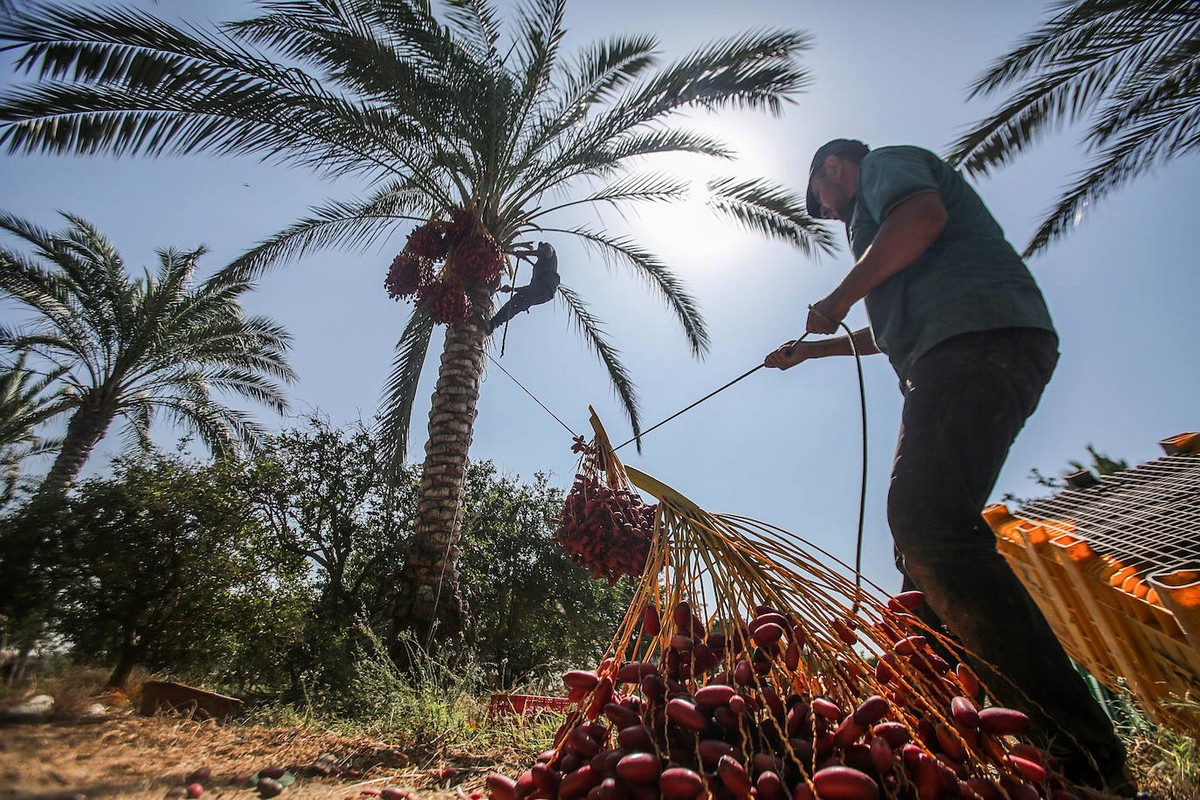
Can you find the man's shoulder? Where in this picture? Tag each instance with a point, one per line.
(900, 153)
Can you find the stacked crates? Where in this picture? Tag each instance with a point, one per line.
(1115, 567)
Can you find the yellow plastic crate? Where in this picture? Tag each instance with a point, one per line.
(1118, 577)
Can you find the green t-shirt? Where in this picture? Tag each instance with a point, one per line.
(970, 279)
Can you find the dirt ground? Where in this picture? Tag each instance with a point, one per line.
(139, 758)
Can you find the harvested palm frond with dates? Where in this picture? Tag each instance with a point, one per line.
(746, 667)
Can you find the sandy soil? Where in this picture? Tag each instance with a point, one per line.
(139, 758)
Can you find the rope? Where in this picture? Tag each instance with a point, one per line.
(531, 394)
(862, 494)
(744, 375)
(862, 394)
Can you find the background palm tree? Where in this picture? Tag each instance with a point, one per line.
(446, 118)
(1131, 69)
(25, 404)
(131, 347)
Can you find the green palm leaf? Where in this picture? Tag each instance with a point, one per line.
(352, 224)
(654, 273)
(592, 330)
(1130, 69)
(771, 210)
(401, 391)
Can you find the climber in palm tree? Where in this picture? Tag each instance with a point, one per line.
(540, 289)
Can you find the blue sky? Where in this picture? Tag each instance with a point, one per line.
(780, 447)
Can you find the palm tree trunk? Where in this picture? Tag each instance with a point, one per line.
(430, 603)
(85, 430)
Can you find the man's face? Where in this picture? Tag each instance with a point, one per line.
(834, 185)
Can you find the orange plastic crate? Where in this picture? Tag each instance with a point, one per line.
(1130, 617)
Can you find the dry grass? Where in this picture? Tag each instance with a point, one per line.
(129, 757)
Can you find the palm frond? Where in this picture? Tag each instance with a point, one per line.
(1169, 87)
(540, 36)
(394, 56)
(1070, 65)
(1079, 30)
(650, 269)
(599, 72)
(153, 319)
(24, 403)
(771, 210)
(537, 44)
(50, 295)
(542, 176)
(753, 70)
(605, 67)
(246, 383)
(1133, 154)
(222, 429)
(672, 140)
(96, 270)
(476, 21)
(592, 331)
(138, 417)
(645, 187)
(395, 417)
(126, 82)
(1124, 66)
(346, 224)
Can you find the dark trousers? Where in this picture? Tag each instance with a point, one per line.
(522, 299)
(965, 401)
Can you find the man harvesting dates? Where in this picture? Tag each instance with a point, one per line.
(965, 326)
(540, 289)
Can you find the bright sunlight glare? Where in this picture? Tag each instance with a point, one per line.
(688, 234)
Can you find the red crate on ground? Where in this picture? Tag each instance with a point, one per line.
(524, 705)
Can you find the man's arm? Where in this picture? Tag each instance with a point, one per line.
(910, 228)
(789, 354)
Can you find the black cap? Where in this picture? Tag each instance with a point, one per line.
(843, 148)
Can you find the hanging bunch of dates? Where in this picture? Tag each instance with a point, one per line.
(442, 261)
(605, 525)
(745, 712)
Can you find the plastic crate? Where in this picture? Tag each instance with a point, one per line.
(524, 705)
(1131, 627)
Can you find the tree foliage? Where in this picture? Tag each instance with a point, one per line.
(535, 611)
(267, 574)
(1129, 70)
(162, 565)
(320, 491)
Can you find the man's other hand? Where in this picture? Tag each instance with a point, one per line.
(789, 354)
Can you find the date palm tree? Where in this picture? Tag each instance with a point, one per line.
(448, 117)
(131, 347)
(1130, 68)
(26, 402)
